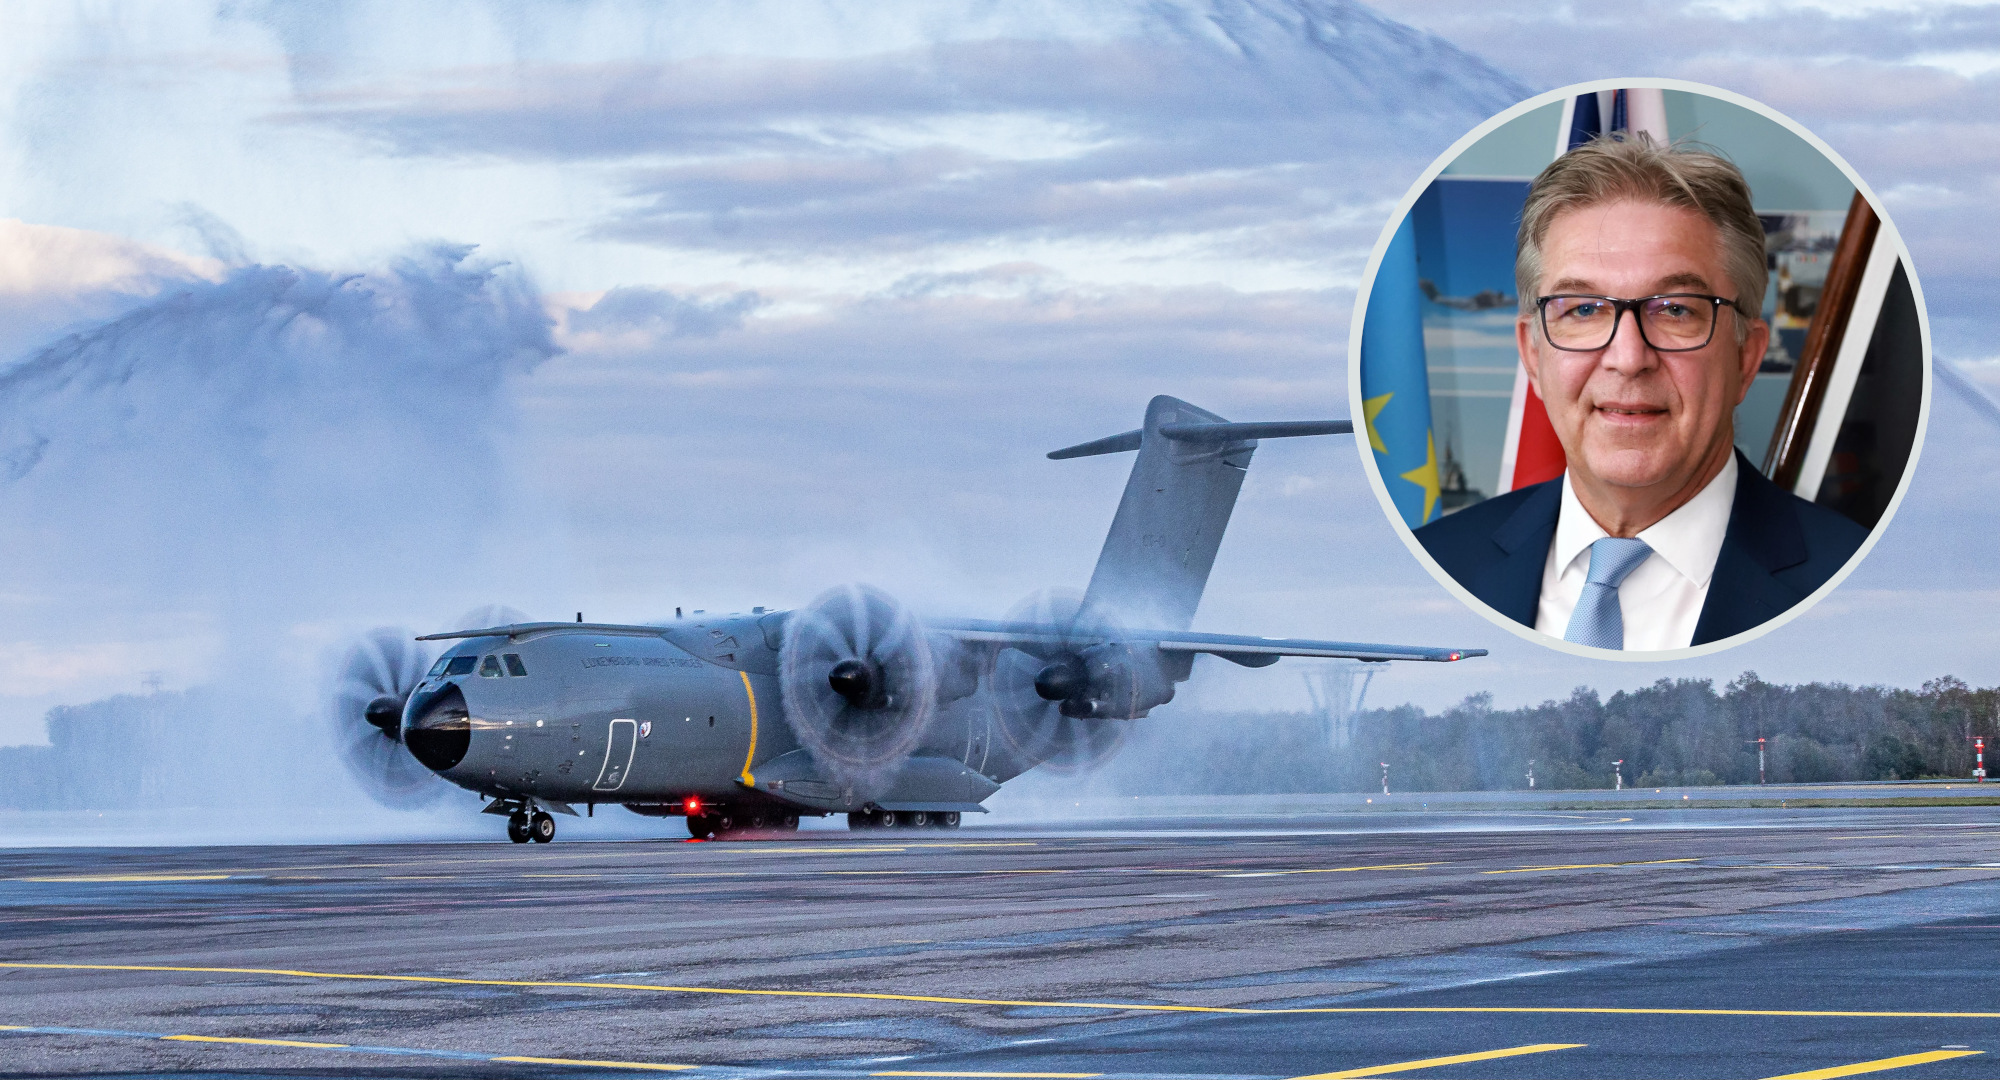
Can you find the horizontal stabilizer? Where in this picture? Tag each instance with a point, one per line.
(1110, 444)
(1208, 433)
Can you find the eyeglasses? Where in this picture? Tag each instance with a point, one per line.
(1674, 322)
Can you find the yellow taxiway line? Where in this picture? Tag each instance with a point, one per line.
(1011, 1075)
(1590, 866)
(641, 1065)
(1880, 1065)
(938, 999)
(253, 1042)
(1432, 1063)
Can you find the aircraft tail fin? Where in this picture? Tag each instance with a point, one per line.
(1177, 503)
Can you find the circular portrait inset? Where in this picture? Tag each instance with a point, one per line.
(1643, 366)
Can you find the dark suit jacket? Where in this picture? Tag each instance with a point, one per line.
(1777, 550)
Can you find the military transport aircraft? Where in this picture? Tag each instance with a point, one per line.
(851, 704)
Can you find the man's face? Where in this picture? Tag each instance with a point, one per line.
(1627, 415)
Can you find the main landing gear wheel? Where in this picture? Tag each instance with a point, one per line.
(712, 825)
(541, 828)
(517, 828)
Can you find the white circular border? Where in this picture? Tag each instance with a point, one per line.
(1528, 633)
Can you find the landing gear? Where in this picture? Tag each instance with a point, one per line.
(721, 821)
(524, 825)
(905, 819)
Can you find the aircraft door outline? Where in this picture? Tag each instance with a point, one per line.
(624, 742)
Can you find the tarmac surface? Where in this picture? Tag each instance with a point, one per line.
(1496, 943)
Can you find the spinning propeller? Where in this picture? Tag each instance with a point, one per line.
(375, 680)
(859, 680)
(1064, 702)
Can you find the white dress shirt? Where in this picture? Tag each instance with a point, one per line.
(1661, 599)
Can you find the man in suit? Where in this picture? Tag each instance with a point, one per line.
(1641, 274)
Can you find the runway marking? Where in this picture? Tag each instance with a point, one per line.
(1432, 1063)
(254, 1042)
(1321, 870)
(645, 1065)
(399, 1051)
(1043, 1076)
(1124, 1006)
(1591, 866)
(1879, 1065)
(95, 879)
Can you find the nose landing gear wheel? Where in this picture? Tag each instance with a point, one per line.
(541, 828)
(517, 828)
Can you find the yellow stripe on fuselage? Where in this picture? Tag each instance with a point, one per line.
(749, 780)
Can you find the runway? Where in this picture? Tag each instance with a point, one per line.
(1730, 943)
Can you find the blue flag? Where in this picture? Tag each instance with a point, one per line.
(1395, 384)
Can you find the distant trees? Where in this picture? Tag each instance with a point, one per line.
(1674, 732)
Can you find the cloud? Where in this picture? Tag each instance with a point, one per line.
(1187, 117)
(650, 313)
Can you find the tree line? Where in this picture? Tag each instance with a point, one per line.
(1673, 733)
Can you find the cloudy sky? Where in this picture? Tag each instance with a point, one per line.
(317, 317)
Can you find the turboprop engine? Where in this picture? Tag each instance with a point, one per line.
(862, 680)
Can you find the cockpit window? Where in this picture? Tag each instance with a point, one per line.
(514, 664)
(459, 665)
(490, 667)
(437, 669)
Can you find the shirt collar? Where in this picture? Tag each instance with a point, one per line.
(1689, 539)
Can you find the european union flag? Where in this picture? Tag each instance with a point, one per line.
(1395, 385)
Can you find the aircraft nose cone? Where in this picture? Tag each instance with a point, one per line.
(437, 728)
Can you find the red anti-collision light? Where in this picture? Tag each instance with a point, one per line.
(691, 805)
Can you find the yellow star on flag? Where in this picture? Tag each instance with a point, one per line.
(1426, 475)
(1370, 409)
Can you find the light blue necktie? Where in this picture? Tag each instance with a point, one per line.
(1597, 620)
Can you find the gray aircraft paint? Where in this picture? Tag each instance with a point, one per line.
(702, 695)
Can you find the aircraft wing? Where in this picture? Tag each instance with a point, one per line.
(1239, 649)
(1235, 648)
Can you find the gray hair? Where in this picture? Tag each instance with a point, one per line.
(1633, 166)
